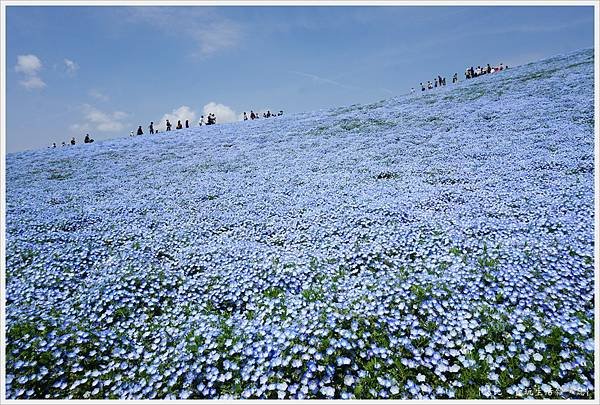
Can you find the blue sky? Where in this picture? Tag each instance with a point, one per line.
(106, 70)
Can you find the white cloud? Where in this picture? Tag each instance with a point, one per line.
(216, 36)
(180, 114)
(30, 65)
(222, 112)
(98, 95)
(71, 66)
(208, 31)
(33, 82)
(95, 119)
(79, 127)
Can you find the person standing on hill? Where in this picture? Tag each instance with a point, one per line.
(151, 127)
(245, 116)
(179, 126)
(252, 115)
(139, 131)
(168, 125)
(73, 141)
(187, 124)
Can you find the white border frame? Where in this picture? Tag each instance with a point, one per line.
(316, 3)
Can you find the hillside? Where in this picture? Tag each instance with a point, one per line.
(435, 245)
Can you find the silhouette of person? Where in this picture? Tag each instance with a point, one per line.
(139, 131)
(245, 116)
(179, 126)
(187, 125)
(151, 127)
(168, 125)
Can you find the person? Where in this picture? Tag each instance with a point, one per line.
(168, 125)
(412, 90)
(73, 141)
(252, 115)
(139, 131)
(187, 125)
(151, 127)
(54, 144)
(64, 144)
(489, 68)
(268, 113)
(436, 83)
(501, 67)
(429, 85)
(422, 87)
(201, 120)
(455, 78)
(179, 126)
(245, 116)
(443, 81)
(131, 133)
(280, 112)
(88, 139)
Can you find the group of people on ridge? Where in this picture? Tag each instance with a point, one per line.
(211, 119)
(469, 74)
(438, 82)
(72, 142)
(255, 116)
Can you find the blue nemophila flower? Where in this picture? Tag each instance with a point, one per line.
(186, 275)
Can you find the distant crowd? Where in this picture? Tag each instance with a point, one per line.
(211, 119)
(470, 73)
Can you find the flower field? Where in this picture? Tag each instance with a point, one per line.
(433, 245)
